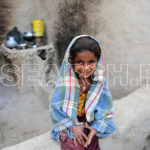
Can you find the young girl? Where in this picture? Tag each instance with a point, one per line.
(81, 106)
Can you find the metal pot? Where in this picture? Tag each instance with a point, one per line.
(28, 36)
(22, 46)
(11, 42)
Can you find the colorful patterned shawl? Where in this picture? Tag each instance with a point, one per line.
(64, 102)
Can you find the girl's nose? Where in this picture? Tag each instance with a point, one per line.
(85, 66)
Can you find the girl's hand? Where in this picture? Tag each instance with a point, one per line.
(79, 135)
(90, 136)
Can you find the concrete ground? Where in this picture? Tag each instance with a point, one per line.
(23, 114)
(131, 121)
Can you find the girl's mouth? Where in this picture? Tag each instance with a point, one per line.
(86, 73)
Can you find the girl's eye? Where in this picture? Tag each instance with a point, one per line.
(80, 62)
(91, 62)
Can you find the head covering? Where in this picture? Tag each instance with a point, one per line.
(69, 89)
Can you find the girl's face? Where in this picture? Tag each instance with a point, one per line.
(85, 64)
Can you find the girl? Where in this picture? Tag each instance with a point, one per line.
(81, 106)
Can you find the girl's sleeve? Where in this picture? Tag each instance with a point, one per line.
(60, 120)
(103, 114)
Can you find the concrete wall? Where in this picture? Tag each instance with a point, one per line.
(124, 34)
(121, 26)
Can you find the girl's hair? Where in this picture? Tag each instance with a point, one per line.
(82, 44)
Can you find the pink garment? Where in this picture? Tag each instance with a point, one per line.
(68, 144)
